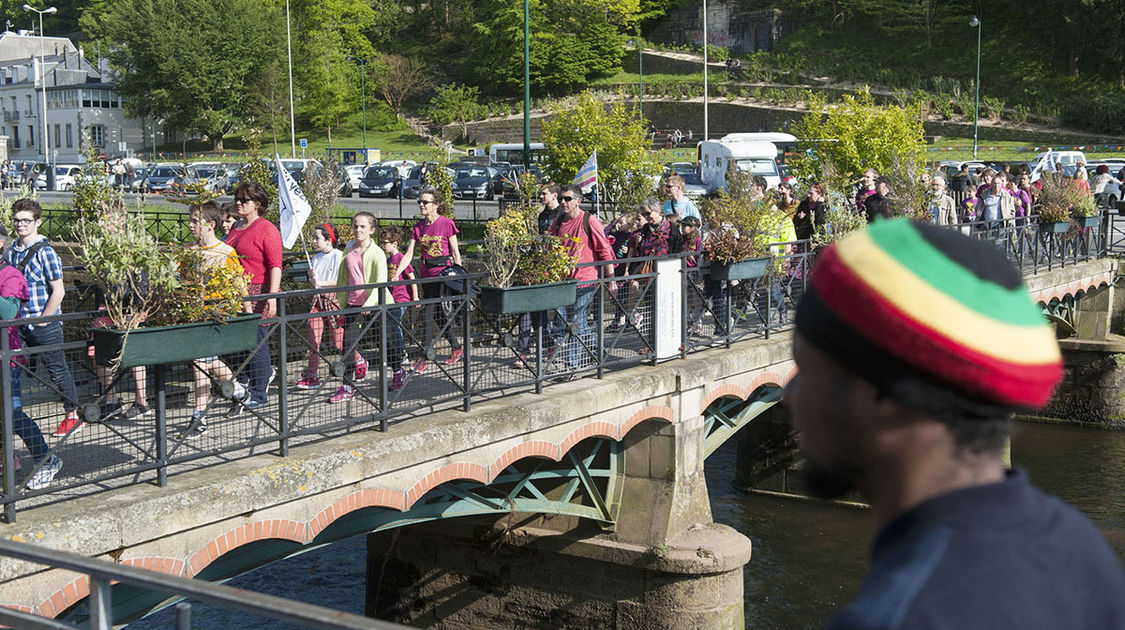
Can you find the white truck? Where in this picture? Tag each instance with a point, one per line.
(745, 152)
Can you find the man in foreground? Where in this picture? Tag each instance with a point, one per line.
(915, 347)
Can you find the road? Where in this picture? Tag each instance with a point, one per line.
(383, 208)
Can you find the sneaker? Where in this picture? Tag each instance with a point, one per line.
(520, 362)
(239, 391)
(254, 404)
(361, 369)
(235, 409)
(637, 319)
(111, 409)
(455, 356)
(197, 428)
(273, 375)
(136, 411)
(421, 366)
(308, 382)
(344, 393)
(43, 477)
(70, 424)
(398, 380)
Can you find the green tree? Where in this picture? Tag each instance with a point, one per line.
(856, 134)
(455, 103)
(626, 166)
(398, 78)
(269, 102)
(329, 92)
(191, 62)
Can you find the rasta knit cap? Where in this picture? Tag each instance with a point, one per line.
(929, 315)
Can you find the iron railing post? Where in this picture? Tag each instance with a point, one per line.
(283, 382)
(383, 394)
(101, 603)
(160, 378)
(9, 475)
(466, 345)
(603, 289)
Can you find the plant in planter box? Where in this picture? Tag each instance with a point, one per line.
(740, 228)
(1086, 207)
(162, 304)
(1057, 199)
(517, 257)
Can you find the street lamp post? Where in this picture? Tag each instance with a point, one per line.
(527, 85)
(640, 73)
(44, 141)
(975, 23)
(363, 97)
(706, 128)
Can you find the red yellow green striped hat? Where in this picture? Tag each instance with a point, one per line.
(913, 307)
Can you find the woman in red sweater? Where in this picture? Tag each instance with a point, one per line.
(258, 245)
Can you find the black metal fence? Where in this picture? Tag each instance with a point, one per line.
(380, 383)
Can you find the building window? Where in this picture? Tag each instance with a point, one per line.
(16, 137)
(30, 136)
(58, 130)
(29, 112)
(69, 139)
(97, 135)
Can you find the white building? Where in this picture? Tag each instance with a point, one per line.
(82, 102)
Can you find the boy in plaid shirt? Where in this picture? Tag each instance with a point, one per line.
(43, 270)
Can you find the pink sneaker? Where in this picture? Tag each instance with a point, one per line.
(421, 366)
(398, 380)
(344, 393)
(455, 356)
(308, 382)
(361, 369)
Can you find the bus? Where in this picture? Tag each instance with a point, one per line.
(513, 153)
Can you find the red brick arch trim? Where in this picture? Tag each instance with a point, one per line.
(1059, 292)
(730, 390)
(280, 528)
(79, 588)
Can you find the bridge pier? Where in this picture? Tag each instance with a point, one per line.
(664, 564)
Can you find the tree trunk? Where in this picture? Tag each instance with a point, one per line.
(216, 142)
(329, 128)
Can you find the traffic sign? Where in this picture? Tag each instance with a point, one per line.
(304, 143)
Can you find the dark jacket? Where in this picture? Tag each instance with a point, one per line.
(877, 206)
(806, 225)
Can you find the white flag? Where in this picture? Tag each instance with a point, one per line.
(294, 208)
(587, 176)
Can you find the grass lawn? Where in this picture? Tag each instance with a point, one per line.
(950, 148)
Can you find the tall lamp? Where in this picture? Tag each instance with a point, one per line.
(44, 141)
(975, 23)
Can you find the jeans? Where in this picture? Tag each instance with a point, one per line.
(434, 315)
(353, 326)
(395, 314)
(717, 291)
(23, 425)
(256, 374)
(55, 360)
(579, 315)
(530, 322)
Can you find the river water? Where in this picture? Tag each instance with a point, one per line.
(808, 557)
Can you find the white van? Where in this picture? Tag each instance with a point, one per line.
(752, 156)
(1065, 161)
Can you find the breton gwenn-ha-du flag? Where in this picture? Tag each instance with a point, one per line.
(295, 209)
(587, 176)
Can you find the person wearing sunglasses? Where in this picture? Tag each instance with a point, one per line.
(257, 242)
(585, 236)
(435, 240)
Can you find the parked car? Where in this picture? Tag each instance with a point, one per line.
(215, 176)
(355, 174)
(693, 186)
(474, 183)
(167, 177)
(64, 177)
(679, 168)
(380, 181)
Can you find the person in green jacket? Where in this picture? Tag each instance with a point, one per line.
(364, 263)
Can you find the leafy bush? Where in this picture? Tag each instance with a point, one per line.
(1101, 112)
(717, 54)
(994, 108)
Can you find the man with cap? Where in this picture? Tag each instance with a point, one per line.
(915, 347)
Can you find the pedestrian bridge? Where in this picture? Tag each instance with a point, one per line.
(601, 474)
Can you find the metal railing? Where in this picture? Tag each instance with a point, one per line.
(102, 574)
(296, 370)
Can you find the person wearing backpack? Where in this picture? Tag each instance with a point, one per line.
(660, 236)
(13, 294)
(41, 266)
(587, 242)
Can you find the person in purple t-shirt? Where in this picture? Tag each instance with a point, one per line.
(435, 239)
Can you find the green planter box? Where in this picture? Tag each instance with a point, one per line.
(1056, 227)
(175, 344)
(528, 299)
(1090, 222)
(741, 270)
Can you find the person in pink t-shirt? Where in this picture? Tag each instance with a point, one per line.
(434, 239)
(587, 245)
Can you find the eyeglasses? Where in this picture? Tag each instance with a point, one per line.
(567, 198)
(23, 221)
(423, 202)
(242, 200)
